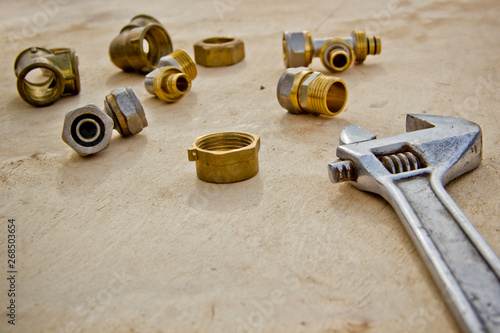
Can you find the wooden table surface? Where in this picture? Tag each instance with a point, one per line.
(129, 240)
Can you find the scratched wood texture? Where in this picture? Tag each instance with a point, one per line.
(129, 240)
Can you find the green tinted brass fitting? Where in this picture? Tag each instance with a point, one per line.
(181, 60)
(336, 54)
(140, 45)
(302, 90)
(57, 75)
(168, 83)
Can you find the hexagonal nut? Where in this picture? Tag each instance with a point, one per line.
(219, 51)
(87, 129)
(288, 88)
(297, 48)
(123, 106)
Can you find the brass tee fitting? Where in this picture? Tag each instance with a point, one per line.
(168, 83)
(181, 60)
(57, 75)
(226, 157)
(140, 45)
(302, 90)
(128, 115)
(336, 54)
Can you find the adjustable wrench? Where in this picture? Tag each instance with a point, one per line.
(409, 171)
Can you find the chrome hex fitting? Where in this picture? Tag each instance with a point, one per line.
(168, 83)
(87, 129)
(302, 90)
(128, 115)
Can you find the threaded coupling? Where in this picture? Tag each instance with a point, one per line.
(43, 76)
(140, 45)
(168, 83)
(181, 60)
(302, 90)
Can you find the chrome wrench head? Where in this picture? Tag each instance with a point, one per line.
(444, 146)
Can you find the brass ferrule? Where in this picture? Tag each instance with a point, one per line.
(226, 157)
(169, 83)
(302, 90)
(181, 60)
(58, 75)
(140, 45)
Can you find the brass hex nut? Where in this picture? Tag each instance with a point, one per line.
(219, 51)
(87, 129)
(128, 115)
(226, 157)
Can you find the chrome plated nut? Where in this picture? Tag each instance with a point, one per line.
(128, 115)
(87, 129)
(219, 51)
(297, 48)
(287, 89)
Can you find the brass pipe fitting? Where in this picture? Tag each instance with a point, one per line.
(128, 115)
(87, 129)
(219, 51)
(226, 157)
(336, 54)
(58, 75)
(169, 83)
(302, 90)
(181, 60)
(140, 45)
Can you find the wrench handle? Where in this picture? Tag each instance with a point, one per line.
(464, 267)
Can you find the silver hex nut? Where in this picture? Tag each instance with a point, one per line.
(287, 97)
(297, 48)
(87, 129)
(123, 106)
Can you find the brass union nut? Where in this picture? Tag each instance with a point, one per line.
(226, 157)
(140, 45)
(87, 129)
(126, 111)
(219, 51)
(57, 75)
(302, 90)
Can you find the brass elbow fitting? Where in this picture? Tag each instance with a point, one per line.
(226, 157)
(58, 75)
(181, 60)
(336, 54)
(302, 90)
(128, 115)
(140, 45)
(168, 83)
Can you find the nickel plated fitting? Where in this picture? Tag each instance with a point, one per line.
(168, 83)
(140, 45)
(57, 75)
(226, 157)
(87, 129)
(302, 90)
(336, 54)
(181, 60)
(128, 115)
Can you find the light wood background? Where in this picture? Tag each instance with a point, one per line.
(129, 240)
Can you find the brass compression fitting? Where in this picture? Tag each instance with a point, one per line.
(336, 54)
(302, 90)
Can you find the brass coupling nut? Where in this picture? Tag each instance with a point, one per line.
(302, 90)
(140, 45)
(181, 60)
(219, 51)
(43, 76)
(336, 54)
(226, 157)
(87, 129)
(168, 83)
(128, 115)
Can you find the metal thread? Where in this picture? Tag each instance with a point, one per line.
(186, 63)
(225, 141)
(322, 98)
(401, 162)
